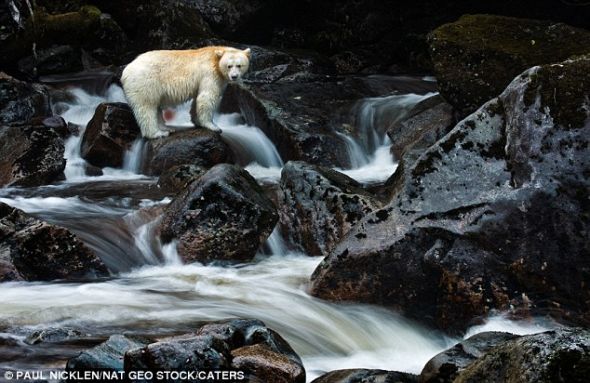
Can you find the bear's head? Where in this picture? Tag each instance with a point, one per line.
(233, 63)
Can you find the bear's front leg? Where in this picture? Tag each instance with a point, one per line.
(206, 106)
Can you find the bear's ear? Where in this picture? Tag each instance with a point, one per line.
(219, 52)
(247, 52)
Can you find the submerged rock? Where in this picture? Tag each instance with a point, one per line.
(445, 367)
(109, 134)
(318, 206)
(33, 250)
(222, 216)
(476, 57)
(553, 356)
(492, 216)
(366, 376)
(32, 153)
(53, 335)
(198, 146)
(245, 344)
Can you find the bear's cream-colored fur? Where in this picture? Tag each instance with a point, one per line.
(157, 79)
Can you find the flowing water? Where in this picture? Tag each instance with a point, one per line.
(150, 291)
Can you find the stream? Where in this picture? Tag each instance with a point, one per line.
(150, 291)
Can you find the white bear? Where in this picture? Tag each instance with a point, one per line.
(157, 79)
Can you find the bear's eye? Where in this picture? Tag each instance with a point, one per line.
(238, 66)
(228, 66)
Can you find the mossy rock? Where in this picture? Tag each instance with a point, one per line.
(476, 57)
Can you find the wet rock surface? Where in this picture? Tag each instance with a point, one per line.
(21, 101)
(476, 57)
(424, 124)
(198, 146)
(32, 153)
(107, 356)
(490, 217)
(109, 134)
(553, 356)
(222, 216)
(246, 344)
(33, 250)
(177, 178)
(262, 363)
(303, 118)
(318, 206)
(366, 376)
(444, 367)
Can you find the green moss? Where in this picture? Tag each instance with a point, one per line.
(564, 89)
(529, 39)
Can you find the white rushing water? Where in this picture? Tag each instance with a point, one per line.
(152, 292)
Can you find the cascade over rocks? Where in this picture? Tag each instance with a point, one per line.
(477, 56)
(33, 250)
(318, 206)
(222, 216)
(492, 216)
(303, 118)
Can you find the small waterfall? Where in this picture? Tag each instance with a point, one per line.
(248, 142)
(275, 244)
(133, 159)
(368, 147)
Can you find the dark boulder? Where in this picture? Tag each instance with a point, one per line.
(107, 356)
(222, 216)
(264, 364)
(33, 250)
(233, 19)
(53, 60)
(318, 206)
(422, 126)
(553, 356)
(492, 216)
(476, 57)
(109, 134)
(159, 24)
(366, 376)
(84, 29)
(305, 119)
(197, 146)
(21, 101)
(177, 178)
(32, 153)
(246, 344)
(445, 367)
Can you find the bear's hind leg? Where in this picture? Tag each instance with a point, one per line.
(148, 121)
